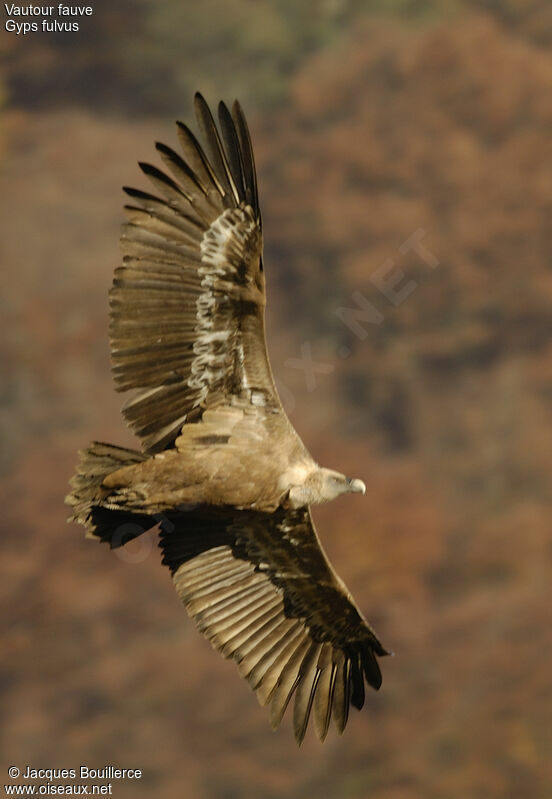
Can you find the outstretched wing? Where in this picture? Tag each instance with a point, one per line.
(261, 589)
(187, 304)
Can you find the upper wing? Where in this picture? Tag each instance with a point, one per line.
(261, 589)
(187, 305)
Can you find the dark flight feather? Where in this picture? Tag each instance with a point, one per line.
(216, 150)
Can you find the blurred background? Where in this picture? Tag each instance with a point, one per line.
(377, 126)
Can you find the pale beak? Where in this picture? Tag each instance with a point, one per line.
(356, 486)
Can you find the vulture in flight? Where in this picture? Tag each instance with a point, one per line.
(221, 469)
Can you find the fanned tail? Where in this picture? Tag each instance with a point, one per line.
(87, 498)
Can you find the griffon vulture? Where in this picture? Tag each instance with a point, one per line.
(221, 468)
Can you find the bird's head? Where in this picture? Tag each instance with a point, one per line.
(332, 484)
(321, 485)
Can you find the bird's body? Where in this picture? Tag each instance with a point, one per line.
(231, 456)
(222, 469)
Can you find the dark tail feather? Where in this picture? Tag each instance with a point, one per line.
(87, 495)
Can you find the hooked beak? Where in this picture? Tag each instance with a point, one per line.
(356, 486)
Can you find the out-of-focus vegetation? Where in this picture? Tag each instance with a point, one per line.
(371, 121)
(141, 57)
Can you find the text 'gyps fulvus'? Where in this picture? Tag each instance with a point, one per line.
(221, 466)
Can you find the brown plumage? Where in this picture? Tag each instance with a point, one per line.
(221, 468)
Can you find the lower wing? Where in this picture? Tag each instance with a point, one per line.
(262, 591)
